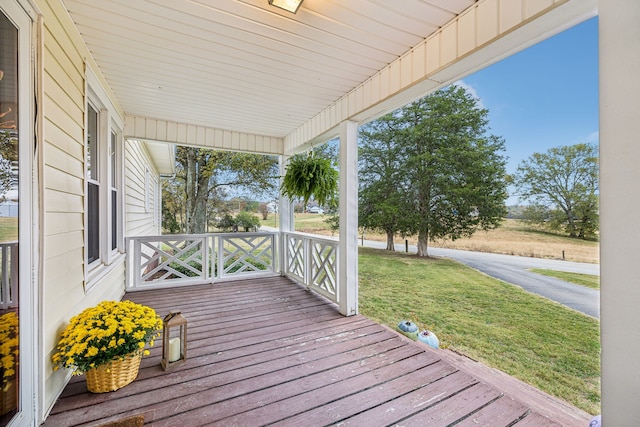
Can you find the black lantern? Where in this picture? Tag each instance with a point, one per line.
(174, 339)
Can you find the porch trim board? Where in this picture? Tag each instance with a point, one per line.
(149, 129)
(484, 34)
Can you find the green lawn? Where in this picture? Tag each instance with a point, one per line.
(540, 342)
(588, 280)
(8, 229)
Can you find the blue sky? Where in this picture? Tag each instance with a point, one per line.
(545, 96)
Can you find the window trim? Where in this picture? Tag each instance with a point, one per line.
(109, 122)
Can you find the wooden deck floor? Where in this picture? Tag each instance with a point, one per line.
(266, 352)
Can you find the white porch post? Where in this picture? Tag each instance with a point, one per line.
(348, 256)
(285, 206)
(619, 35)
(285, 222)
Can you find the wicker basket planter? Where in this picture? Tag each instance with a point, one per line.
(114, 375)
(8, 397)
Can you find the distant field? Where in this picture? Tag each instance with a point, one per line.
(512, 238)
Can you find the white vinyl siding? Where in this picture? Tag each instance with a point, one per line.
(142, 189)
(63, 189)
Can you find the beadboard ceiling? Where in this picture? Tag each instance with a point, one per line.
(243, 65)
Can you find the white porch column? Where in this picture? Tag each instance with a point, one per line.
(285, 207)
(619, 38)
(348, 257)
(285, 223)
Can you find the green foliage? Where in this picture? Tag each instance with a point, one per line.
(226, 223)
(259, 265)
(8, 155)
(565, 181)
(536, 214)
(247, 220)
(180, 268)
(431, 169)
(309, 176)
(333, 221)
(381, 198)
(203, 178)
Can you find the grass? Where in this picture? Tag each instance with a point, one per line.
(588, 280)
(540, 342)
(8, 229)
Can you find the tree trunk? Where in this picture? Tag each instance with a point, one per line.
(196, 187)
(190, 189)
(423, 239)
(390, 244)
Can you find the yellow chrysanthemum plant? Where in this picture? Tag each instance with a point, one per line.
(111, 330)
(8, 348)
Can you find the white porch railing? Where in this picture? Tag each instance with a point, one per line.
(313, 261)
(188, 259)
(8, 275)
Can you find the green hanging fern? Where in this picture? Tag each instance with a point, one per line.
(309, 176)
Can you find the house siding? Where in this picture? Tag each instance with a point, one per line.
(139, 214)
(63, 266)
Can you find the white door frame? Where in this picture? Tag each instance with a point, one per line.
(24, 16)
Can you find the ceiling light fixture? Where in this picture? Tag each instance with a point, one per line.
(288, 5)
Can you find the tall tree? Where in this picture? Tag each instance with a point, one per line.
(206, 173)
(565, 181)
(454, 171)
(380, 178)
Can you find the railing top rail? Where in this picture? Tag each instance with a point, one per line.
(315, 237)
(11, 243)
(246, 233)
(195, 236)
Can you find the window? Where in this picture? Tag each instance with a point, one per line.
(103, 166)
(93, 186)
(115, 205)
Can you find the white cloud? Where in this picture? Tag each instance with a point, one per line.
(592, 138)
(472, 91)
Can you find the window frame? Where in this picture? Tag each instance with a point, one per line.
(109, 178)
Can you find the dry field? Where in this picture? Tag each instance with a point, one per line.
(516, 238)
(513, 237)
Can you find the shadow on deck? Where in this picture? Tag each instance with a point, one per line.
(266, 352)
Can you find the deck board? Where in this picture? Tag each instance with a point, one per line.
(267, 352)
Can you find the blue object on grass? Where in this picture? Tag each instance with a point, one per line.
(429, 338)
(408, 328)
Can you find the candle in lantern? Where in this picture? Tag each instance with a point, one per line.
(174, 349)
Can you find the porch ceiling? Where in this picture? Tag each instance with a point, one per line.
(243, 65)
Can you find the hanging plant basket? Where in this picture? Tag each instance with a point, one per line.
(310, 176)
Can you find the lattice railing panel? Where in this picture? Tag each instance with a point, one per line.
(171, 259)
(324, 267)
(242, 254)
(295, 255)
